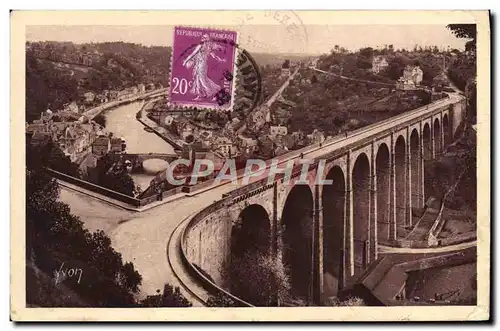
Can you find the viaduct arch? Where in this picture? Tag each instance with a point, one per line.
(297, 220)
(334, 238)
(326, 234)
(383, 181)
(361, 211)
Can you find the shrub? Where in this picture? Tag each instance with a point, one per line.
(171, 297)
(221, 300)
(351, 302)
(258, 279)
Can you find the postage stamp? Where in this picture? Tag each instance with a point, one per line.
(203, 68)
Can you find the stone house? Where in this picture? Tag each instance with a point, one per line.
(266, 146)
(117, 145)
(89, 97)
(71, 107)
(405, 84)
(141, 88)
(278, 130)
(101, 145)
(413, 73)
(379, 64)
(224, 146)
(248, 145)
(316, 137)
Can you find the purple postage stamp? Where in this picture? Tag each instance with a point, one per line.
(202, 72)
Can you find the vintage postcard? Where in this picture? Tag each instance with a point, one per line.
(250, 166)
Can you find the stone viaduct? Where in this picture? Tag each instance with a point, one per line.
(326, 234)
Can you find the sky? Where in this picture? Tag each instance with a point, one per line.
(307, 39)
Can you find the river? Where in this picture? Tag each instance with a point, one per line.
(123, 123)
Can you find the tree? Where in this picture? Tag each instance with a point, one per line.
(364, 64)
(114, 176)
(50, 155)
(221, 300)
(396, 67)
(257, 278)
(466, 31)
(366, 52)
(100, 119)
(171, 297)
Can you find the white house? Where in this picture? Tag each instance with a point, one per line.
(379, 64)
(278, 130)
(413, 73)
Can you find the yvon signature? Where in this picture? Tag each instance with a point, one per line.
(64, 273)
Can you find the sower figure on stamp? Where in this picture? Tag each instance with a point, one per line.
(203, 86)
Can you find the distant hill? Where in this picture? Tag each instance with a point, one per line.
(264, 59)
(61, 72)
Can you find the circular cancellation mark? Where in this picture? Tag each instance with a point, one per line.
(248, 77)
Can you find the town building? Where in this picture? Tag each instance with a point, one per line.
(151, 86)
(285, 72)
(379, 64)
(285, 69)
(75, 141)
(248, 145)
(101, 145)
(113, 95)
(88, 167)
(266, 146)
(413, 73)
(141, 88)
(224, 147)
(117, 145)
(102, 98)
(89, 97)
(316, 137)
(40, 138)
(205, 136)
(288, 141)
(278, 130)
(405, 84)
(71, 107)
(280, 150)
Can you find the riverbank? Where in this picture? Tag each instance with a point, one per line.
(158, 130)
(93, 112)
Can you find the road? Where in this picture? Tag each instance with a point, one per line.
(275, 96)
(271, 100)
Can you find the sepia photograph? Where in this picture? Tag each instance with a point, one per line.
(265, 159)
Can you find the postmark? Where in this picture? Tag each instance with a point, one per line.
(203, 68)
(294, 33)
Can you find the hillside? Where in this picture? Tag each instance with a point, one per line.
(277, 59)
(58, 73)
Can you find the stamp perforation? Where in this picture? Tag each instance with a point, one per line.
(204, 105)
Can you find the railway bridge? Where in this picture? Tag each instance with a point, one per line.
(327, 233)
